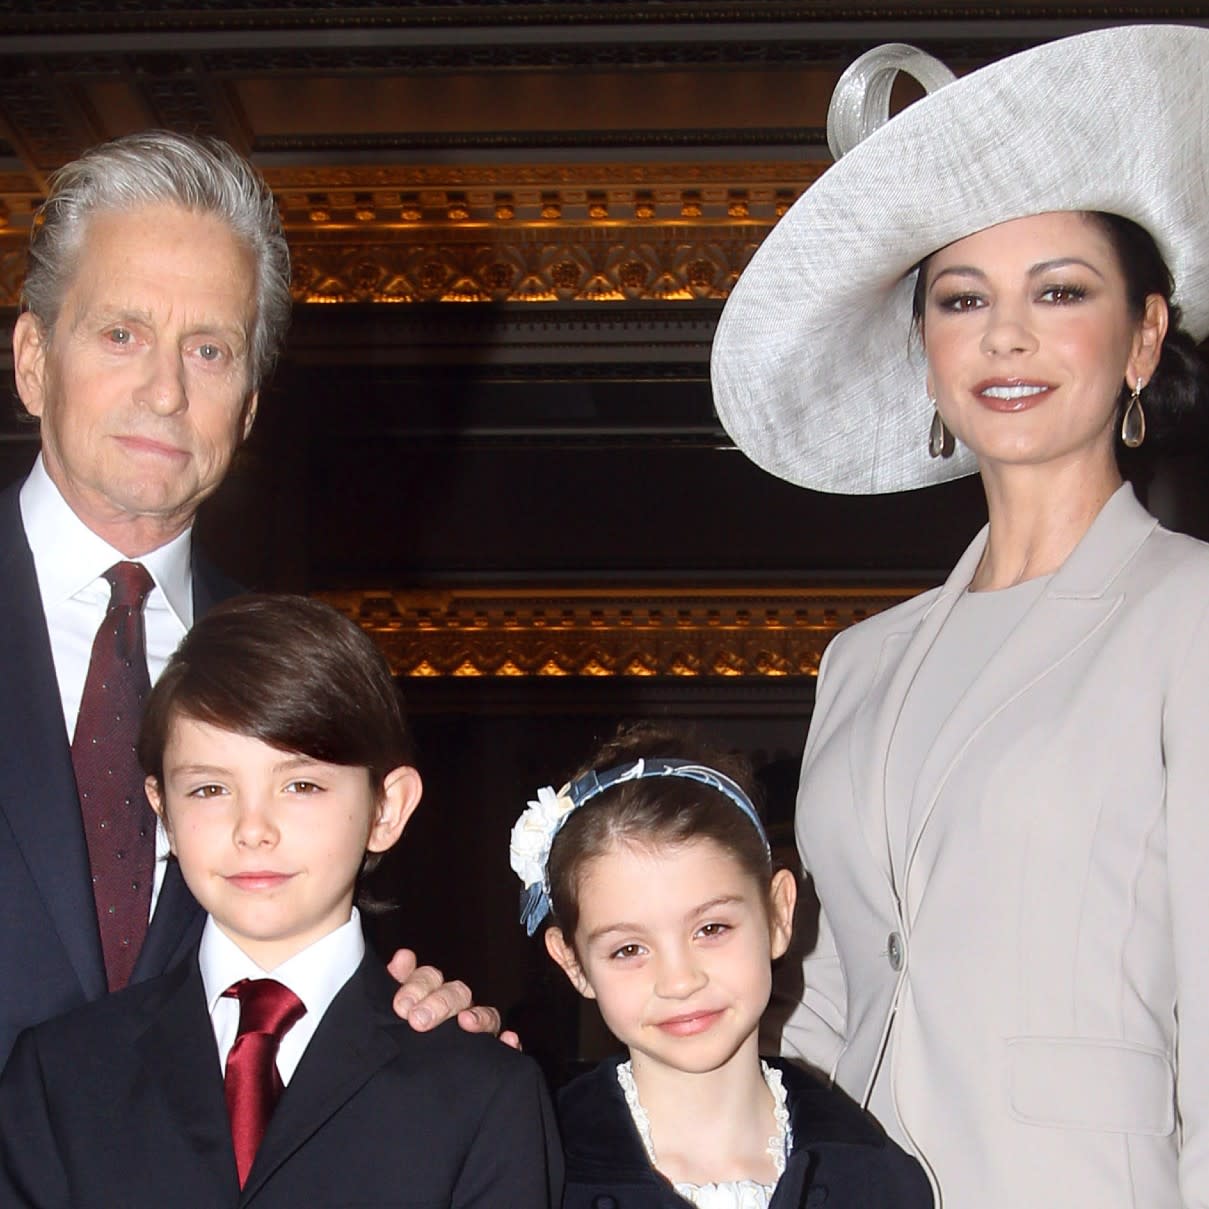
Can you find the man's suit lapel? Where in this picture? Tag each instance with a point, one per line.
(37, 785)
(352, 1043)
(210, 586)
(178, 1052)
(1076, 603)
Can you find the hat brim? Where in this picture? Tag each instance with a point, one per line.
(815, 373)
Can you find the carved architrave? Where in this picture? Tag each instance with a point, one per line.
(539, 233)
(564, 233)
(759, 633)
(635, 265)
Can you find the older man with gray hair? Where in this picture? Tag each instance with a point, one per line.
(156, 300)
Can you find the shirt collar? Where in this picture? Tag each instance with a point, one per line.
(68, 555)
(315, 974)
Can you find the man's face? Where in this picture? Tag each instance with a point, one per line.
(143, 387)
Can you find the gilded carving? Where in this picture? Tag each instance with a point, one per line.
(659, 264)
(557, 240)
(758, 634)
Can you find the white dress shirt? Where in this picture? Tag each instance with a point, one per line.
(315, 975)
(70, 561)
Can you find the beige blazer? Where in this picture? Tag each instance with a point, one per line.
(1040, 946)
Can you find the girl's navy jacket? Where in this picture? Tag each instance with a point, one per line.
(841, 1159)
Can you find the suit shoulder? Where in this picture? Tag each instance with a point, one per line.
(479, 1056)
(1176, 555)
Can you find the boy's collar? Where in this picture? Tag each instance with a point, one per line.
(315, 974)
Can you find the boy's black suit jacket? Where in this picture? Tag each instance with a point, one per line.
(840, 1159)
(121, 1104)
(50, 948)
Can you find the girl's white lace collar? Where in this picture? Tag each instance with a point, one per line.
(732, 1194)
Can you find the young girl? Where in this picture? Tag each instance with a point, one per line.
(657, 873)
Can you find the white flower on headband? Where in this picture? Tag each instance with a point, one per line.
(534, 832)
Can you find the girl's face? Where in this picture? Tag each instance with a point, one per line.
(1029, 340)
(675, 943)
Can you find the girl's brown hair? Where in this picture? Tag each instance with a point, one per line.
(653, 811)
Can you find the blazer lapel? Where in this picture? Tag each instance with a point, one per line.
(179, 1053)
(38, 795)
(354, 1041)
(1075, 604)
(902, 652)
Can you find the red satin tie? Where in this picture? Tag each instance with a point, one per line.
(267, 1011)
(118, 824)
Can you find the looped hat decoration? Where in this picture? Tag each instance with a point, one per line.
(815, 373)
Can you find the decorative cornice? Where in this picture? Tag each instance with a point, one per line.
(762, 633)
(593, 234)
(620, 265)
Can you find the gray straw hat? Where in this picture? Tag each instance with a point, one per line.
(815, 374)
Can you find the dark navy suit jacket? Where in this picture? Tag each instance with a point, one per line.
(120, 1103)
(840, 1157)
(50, 948)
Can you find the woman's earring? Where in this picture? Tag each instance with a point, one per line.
(940, 439)
(1133, 422)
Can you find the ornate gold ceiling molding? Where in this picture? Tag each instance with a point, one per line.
(760, 633)
(564, 233)
(569, 265)
(529, 233)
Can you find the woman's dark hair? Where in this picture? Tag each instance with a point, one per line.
(1179, 387)
(653, 811)
(290, 672)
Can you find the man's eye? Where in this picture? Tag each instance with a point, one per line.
(210, 352)
(120, 335)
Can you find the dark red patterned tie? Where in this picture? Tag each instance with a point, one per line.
(267, 1011)
(118, 823)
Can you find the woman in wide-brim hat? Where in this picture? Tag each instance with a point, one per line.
(1005, 792)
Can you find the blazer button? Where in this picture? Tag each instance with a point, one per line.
(604, 1202)
(894, 951)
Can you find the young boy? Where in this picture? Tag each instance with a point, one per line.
(278, 761)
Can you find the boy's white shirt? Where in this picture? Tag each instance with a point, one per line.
(315, 975)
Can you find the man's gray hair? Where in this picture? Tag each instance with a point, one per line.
(159, 167)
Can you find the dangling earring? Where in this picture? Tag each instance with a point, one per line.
(1133, 422)
(940, 439)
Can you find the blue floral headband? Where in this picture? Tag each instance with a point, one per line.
(534, 832)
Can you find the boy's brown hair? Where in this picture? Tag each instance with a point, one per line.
(291, 672)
